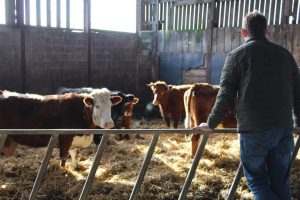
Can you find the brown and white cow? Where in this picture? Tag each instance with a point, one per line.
(169, 98)
(68, 111)
(198, 102)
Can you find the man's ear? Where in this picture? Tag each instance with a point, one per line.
(244, 33)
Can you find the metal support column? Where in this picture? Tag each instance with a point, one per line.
(235, 183)
(144, 168)
(2, 141)
(296, 150)
(193, 168)
(90, 178)
(43, 168)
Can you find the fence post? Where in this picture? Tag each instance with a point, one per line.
(235, 182)
(144, 168)
(36, 186)
(90, 178)
(193, 168)
(2, 141)
(210, 26)
(140, 15)
(296, 149)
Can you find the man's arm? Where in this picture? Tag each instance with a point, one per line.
(229, 84)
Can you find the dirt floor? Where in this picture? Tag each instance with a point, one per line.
(120, 165)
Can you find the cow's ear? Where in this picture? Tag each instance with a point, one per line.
(115, 100)
(1, 92)
(88, 101)
(135, 101)
(150, 84)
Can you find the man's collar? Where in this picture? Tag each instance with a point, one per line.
(255, 38)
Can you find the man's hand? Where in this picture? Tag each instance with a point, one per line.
(203, 127)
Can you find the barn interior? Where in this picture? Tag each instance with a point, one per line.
(177, 41)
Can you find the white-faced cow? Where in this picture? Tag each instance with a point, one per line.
(169, 98)
(68, 111)
(120, 113)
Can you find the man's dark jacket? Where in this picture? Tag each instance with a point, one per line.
(266, 81)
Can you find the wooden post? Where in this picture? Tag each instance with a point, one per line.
(210, 26)
(286, 13)
(58, 11)
(48, 13)
(38, 12)
(10, 14)
(140, 15)
(27, 12)
(170, 16)
(87, 29)
(68, 14)
(20, 23)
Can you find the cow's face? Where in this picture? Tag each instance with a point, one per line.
(102, 103)
(123, 109)
(160, 91)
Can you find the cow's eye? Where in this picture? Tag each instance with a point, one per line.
(97, 107)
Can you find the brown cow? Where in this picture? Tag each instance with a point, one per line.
(68, 111)
(198, 102)
(169, 98)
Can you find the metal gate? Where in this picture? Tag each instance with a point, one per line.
(156, 133)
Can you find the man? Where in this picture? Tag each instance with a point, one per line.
(265, 79)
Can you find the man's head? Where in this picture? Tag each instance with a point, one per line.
(254, 25)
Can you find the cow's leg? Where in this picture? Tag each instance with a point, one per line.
(73, 153)
(65, 142)
(176, 120)
(10, 147)
(195, 141)
(168, 122)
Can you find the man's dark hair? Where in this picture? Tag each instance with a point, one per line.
(255, 23)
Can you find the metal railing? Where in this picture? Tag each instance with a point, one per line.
(106, 132)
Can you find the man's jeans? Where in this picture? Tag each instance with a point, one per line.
(265, 155)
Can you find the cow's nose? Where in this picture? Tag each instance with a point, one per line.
(108, 125)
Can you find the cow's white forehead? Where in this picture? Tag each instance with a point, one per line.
(101, 95)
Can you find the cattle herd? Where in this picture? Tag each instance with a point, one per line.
(86, 108)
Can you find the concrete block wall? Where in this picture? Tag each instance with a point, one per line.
(55, 58)
(10, 59)
(58, 57)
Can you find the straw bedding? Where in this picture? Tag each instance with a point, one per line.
(120, 165)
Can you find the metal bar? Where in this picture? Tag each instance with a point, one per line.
(144, 168)
(296, 149)
(43, 168)
(110, 131)
(90, 178)
(235, 182)
(2, 141)
(193, 168)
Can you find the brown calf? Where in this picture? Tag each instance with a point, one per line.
(198, 101)
(169, 98)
